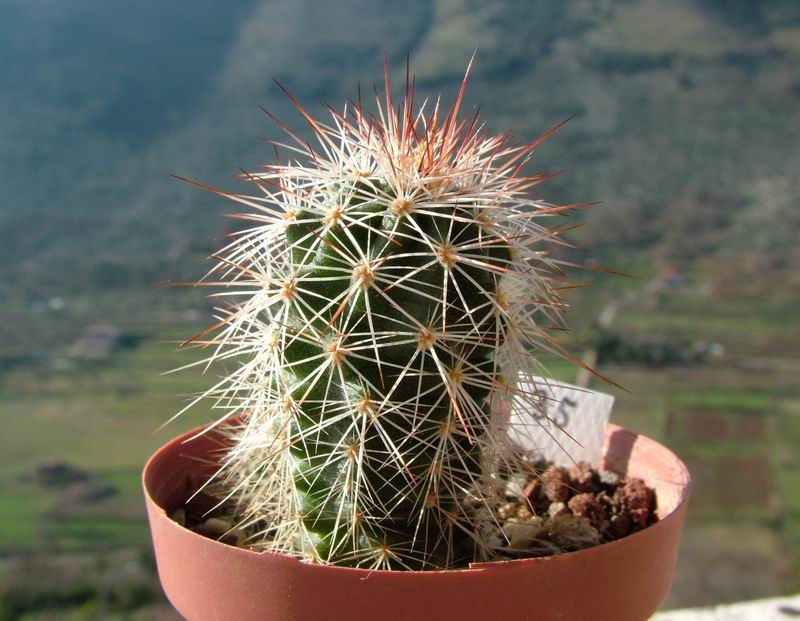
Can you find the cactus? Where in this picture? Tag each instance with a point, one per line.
(384, 313)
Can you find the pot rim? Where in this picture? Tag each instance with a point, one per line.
(683, 482)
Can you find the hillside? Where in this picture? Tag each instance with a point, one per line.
(684, 117)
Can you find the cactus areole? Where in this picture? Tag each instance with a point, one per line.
(380, 315)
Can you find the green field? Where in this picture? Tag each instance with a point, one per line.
(737, 428)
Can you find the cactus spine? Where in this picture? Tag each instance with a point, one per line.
(384, 312)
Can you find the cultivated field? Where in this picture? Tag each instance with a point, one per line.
(734, 418)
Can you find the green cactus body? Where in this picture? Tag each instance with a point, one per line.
(383, 455)
(385, 315)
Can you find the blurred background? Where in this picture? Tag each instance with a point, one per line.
(685, 126)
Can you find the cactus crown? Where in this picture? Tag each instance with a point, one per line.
(384, 314)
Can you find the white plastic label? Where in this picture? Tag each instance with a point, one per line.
(574, 427)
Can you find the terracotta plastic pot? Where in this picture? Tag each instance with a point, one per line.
(625, 580)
